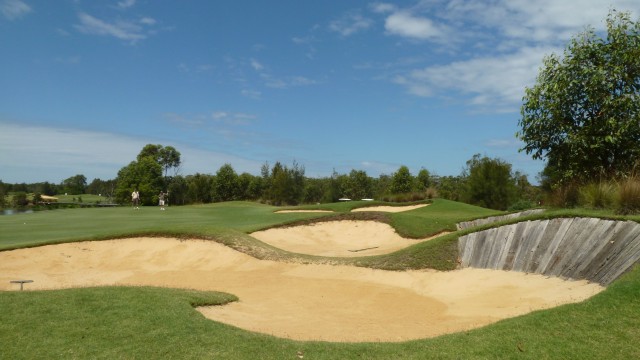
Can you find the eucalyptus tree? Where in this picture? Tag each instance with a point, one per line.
(489, 183)
(583, 113)
(225, 186)
(401, 181)
(167, 156)
(144, 175)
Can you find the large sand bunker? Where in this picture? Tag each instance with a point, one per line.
(337, 238)
(393, 209)
(298, 301)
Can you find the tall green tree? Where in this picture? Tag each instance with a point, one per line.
(199, 188)
(451, 187)
(423, 180)
(75, 185)
(358, 185)
(490, 183)
(401, 181)
(225, 186)
(167, 156)
(285, 185)
(3, 194)
(144, 175)
(178, 189)
(583, 114)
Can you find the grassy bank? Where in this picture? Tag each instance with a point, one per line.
(143, 323)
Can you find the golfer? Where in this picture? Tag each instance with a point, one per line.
(161, 200)
(135, 198)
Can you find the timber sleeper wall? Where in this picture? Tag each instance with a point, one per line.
(576, 248)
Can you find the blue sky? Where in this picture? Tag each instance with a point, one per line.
(338, 85)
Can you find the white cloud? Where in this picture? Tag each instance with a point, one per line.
(350, 24)
(538, 21)
(286, 82)
(122, 29)
(498, 45)
(91, 153)
(408, 25)
(489, 81)
(216, 117)
(383, 7)
(14, 9)
(232, 118)
(148, 21)
(252, 94)
(125, 4)
(257, 66)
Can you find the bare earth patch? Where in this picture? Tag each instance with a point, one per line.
(345, 238)
(393, 209)
(298, 301)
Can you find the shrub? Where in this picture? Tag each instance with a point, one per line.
(564, 196)
(601, 195)
(521, 205)
(629, 196)
(431, 193)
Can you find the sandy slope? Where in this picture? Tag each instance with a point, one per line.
(337, 238)
(307, 302)
(393, 209)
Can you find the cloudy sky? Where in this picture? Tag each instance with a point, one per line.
(330, 84)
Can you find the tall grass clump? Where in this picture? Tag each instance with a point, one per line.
(629, 196)
(566, 196)
(598, 195)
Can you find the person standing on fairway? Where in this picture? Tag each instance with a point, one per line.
(135, 198)
(161, 200)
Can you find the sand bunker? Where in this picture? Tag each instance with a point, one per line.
(392, 209)
(302, 211)
(304, 302)
(337, 238)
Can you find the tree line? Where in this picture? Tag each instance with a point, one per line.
(485, 182)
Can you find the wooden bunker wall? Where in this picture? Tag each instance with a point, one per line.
(575, 248)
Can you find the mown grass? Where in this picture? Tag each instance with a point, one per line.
(145, 323)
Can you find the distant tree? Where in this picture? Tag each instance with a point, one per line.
(314, 190)
(358, 185)
(423, 180)
(22, 187)
(451, 187)
(20, 200)
(3, 195)
(199, 188)
(75, 185)
(145, 175)
(98, 186)
(381, 185)
(525, 191)
(334, 189)
(178, 190)
(490, 183)
(45, 188)
(225, 186)
(296, 172)
(286, 185)
(167, 156)
(583, 113)
(255, 188)
(401, 181)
